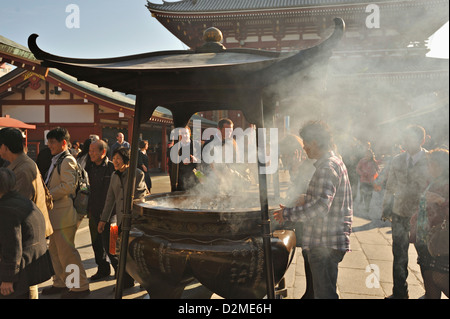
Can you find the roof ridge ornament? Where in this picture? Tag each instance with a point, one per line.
(213, 38)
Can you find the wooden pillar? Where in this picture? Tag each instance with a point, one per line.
(47, 105)
(164, 148)
(130, 128)
(97, 126)
(26, 139)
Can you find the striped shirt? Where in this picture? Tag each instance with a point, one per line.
(327, 214)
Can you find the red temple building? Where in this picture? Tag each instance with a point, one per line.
(378, 77)
(47, 98)
(298, 24)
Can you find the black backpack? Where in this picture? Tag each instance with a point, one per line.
(82, 191)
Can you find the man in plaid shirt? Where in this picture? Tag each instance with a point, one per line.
(326, 210)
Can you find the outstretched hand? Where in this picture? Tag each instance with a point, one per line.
(278, 214)
(6, 288)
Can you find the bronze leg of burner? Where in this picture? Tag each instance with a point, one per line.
(281, 290)
(160, 289)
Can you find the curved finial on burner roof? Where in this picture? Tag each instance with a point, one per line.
(45, 56)
(32, 45)
(42, 55)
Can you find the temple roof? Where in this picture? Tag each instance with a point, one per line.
(245, 23)
(203, 6)
(10, 47)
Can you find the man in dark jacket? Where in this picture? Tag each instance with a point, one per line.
(99, 170)
(24, 259)
(28, 177)
(183, 153)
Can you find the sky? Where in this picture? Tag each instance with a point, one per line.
(107, 28)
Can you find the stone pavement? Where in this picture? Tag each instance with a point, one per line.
(364, 273)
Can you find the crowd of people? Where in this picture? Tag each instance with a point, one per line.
(414, 184)
(36, 202)
(324, 182)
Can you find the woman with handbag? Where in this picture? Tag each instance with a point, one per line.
(24, 258)
(429, 227)
(115, 197)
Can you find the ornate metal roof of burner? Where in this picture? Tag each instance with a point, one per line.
(189, 81)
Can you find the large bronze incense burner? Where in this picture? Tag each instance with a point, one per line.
(185, 82)
(216, 243)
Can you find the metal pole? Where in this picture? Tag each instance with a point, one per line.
(129, 196)
(270, 286)
(276, 175)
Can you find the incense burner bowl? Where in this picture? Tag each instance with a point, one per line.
(220, 246)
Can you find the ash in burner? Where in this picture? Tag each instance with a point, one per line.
(224, 187)
(218, 203)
